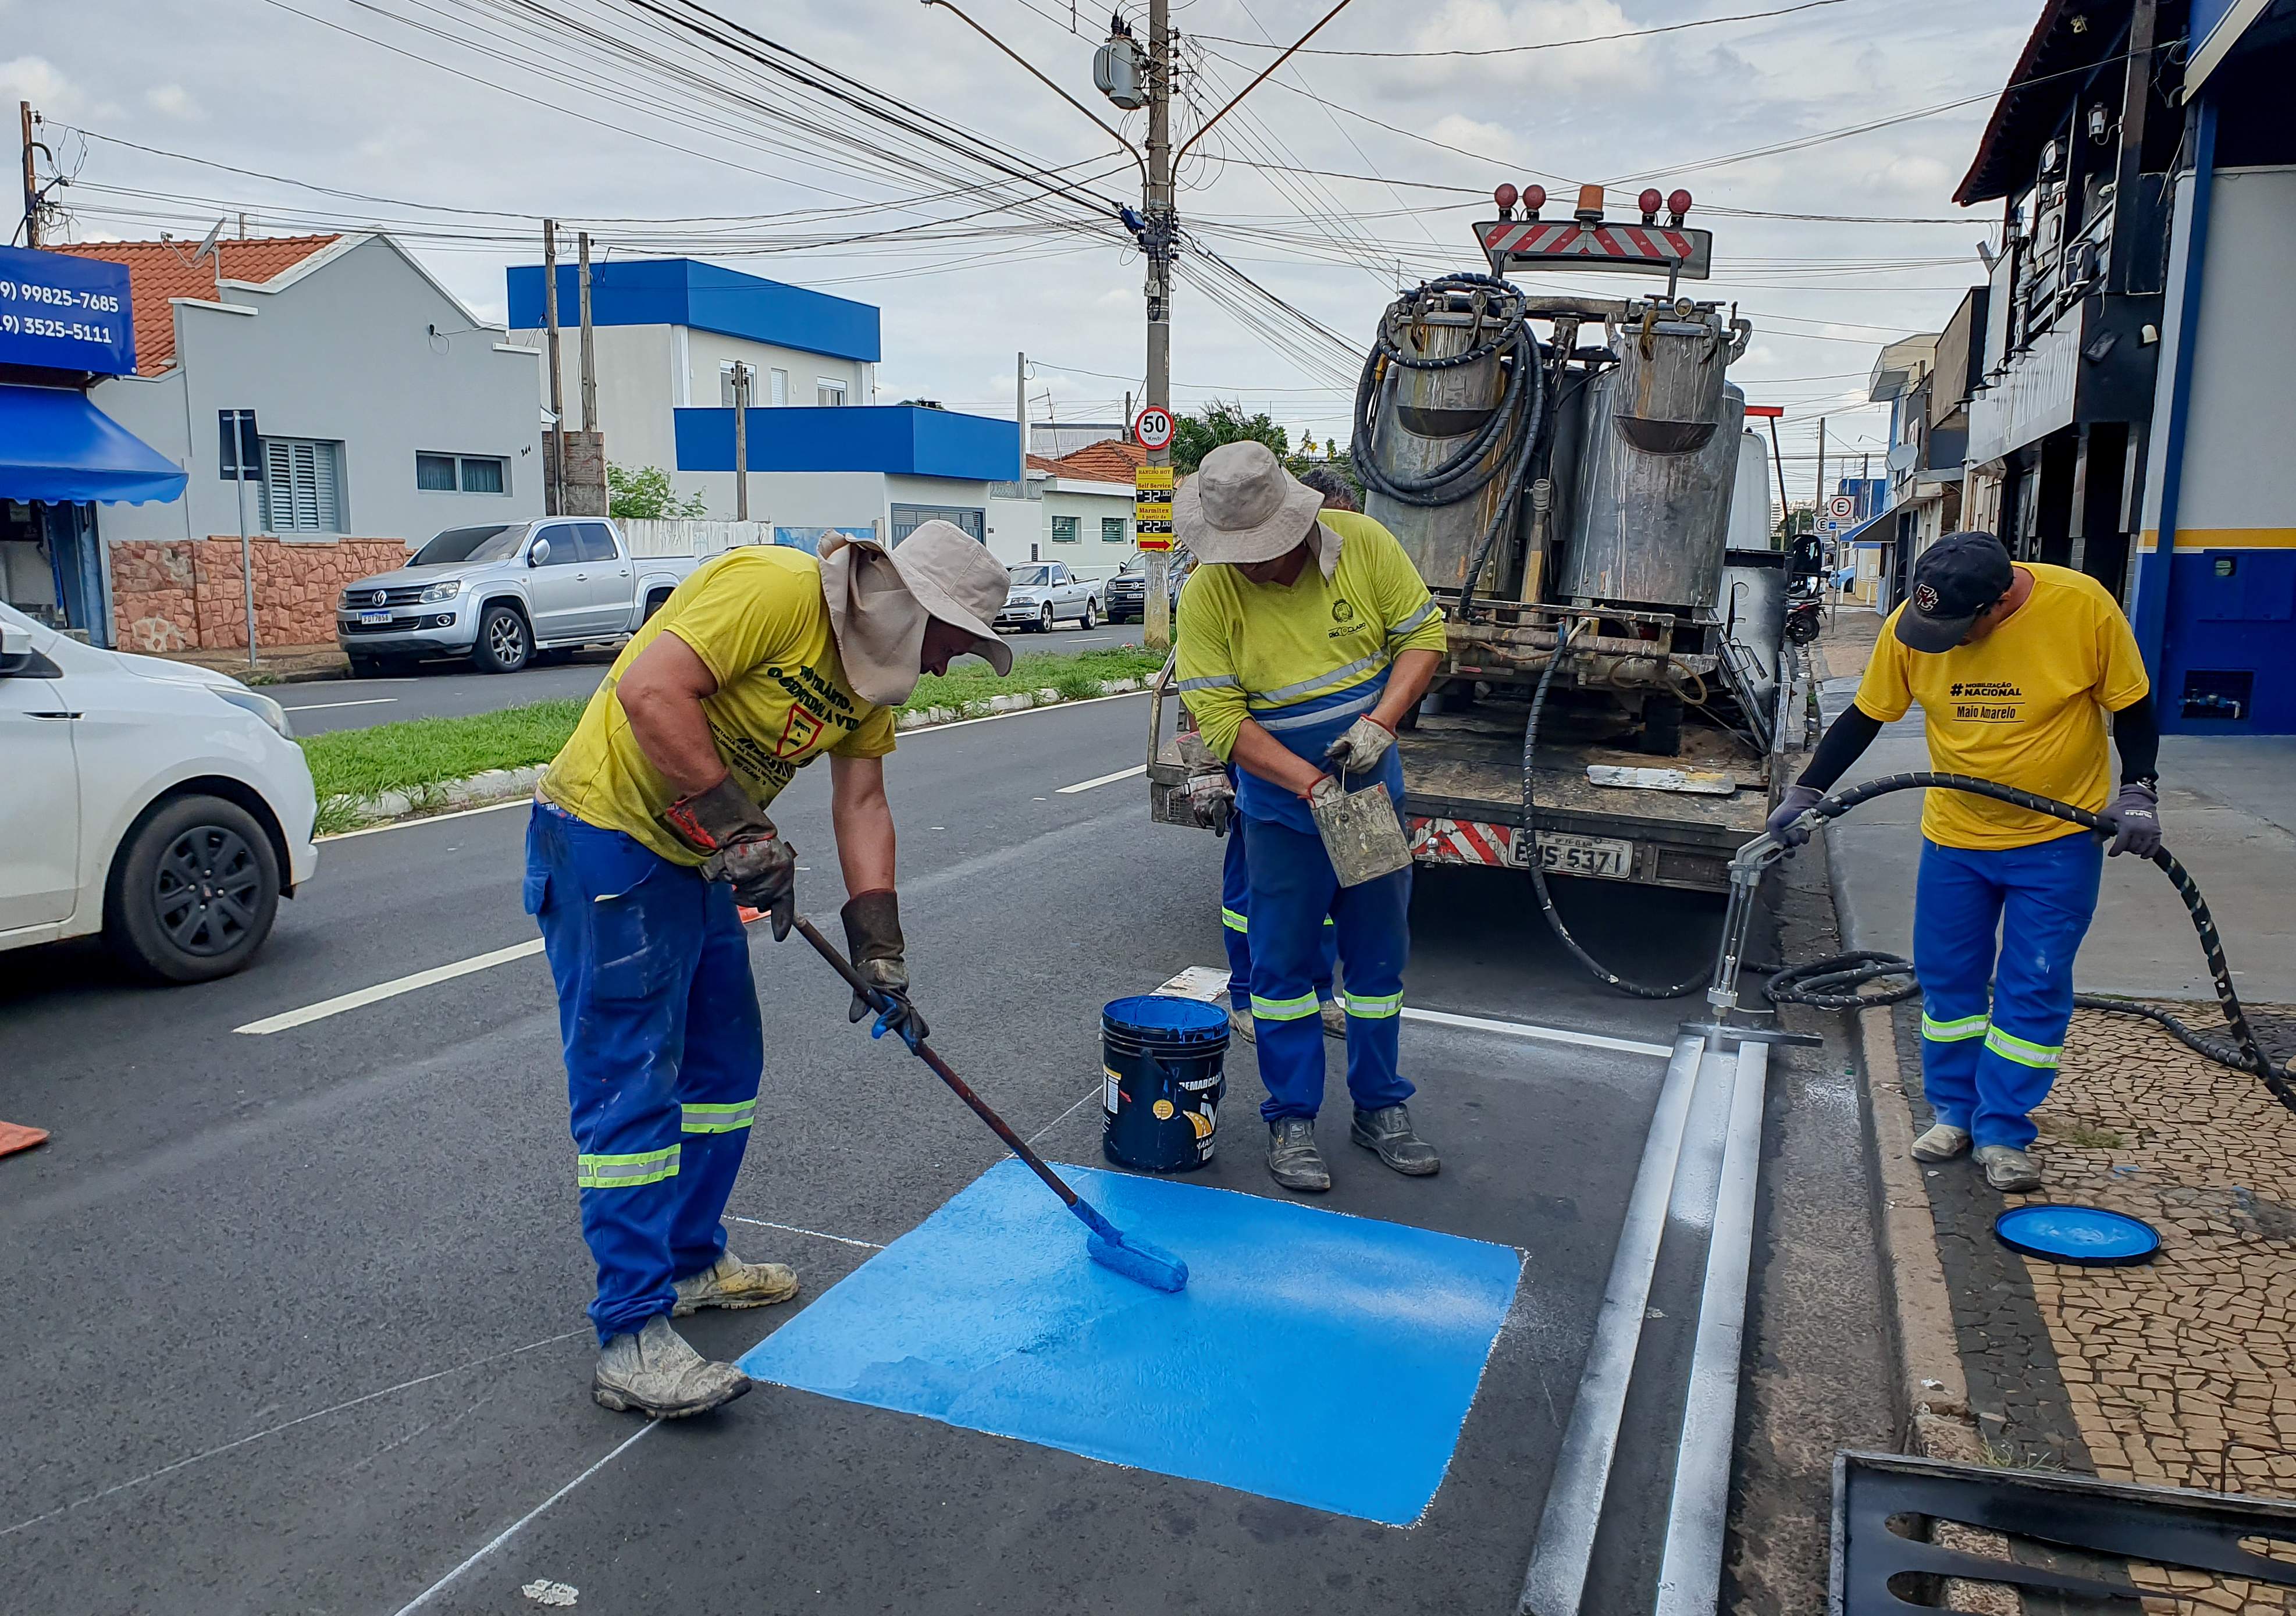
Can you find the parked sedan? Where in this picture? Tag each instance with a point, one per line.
(164, 806)
(1046, 592)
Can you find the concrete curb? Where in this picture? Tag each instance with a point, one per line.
(501, 784)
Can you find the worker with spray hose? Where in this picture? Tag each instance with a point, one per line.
(1305, 639)
(649, 830)
(2016, 666)
(1212, 792)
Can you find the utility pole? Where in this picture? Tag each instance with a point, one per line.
(556, 505)
(743, 372)
(1163, 225)
(31, 180)
(589, 349)
(1020, 419)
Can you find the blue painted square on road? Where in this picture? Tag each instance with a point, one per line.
(1314, 1357)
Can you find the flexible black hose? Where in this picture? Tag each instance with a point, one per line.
(1602, 972)
(1517, 422)
(1833, 983)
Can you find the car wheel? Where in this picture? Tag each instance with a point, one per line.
(503, 643)
(1044, 618)
(193, 891)
(1091, 619)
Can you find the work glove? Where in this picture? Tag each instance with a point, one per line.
(2134, 816)
(1324, 792)
(873, 940)
(1798, 800)
(742, 847)
(1211, 799)
(1359, 749)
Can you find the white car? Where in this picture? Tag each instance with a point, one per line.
(1042, 593)
(163, 805)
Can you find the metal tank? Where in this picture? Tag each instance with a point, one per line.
(1658, 468)
(1425, 417)
(1752, 521)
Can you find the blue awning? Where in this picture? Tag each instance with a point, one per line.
(57, 446)
(1851, 536)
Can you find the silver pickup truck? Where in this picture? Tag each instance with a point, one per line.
(503, 594)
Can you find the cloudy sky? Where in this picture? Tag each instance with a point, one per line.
(459, 124)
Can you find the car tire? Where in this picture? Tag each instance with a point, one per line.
(1660, 736)
(1091, 617)
(654, 603)
(504, 643)
(363, 667)
(1044, 618)
(193, 891)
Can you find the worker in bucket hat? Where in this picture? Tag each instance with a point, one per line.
(2018, 667)
(1305, 638)
(649, 832)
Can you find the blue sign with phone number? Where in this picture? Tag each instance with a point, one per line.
(61, 312)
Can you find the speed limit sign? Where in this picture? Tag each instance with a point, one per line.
(1152, 428)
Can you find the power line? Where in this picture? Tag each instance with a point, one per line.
(1549, 44)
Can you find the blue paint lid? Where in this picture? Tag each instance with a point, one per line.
(2086, 1235)
(1156, 1013)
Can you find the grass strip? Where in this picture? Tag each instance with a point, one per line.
(421, 757)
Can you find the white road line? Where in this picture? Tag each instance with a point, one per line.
(391, 989)
(519, 1525)
(322, 705)
(1085, 785)
(768, 1223)
(526, 801)
(1088, 1094)
(1545, 1035)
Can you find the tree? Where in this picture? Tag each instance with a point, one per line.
(645, 494)
(1193, 437)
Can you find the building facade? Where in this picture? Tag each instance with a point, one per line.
(1078, 509)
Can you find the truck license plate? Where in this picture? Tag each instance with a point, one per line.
(375, 616)
(1608, 857)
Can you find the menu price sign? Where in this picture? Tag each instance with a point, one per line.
(61, 312)
(1151, 506)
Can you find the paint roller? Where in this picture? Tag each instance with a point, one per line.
(1109, 1246)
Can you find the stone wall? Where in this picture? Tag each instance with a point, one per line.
(178, 594)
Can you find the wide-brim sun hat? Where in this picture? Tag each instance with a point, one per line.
(880, 603)
(1241, 506)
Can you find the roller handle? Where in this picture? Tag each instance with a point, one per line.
(941, 1070)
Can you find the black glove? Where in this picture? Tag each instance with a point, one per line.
(744, 849)
(873, 940)
(1798, 800)
(2134, 816)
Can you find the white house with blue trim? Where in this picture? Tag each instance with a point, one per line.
(821, 453)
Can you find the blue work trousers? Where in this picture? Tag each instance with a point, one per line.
(1988, 1060)
(1235, 924)
(664, 1048)
(1292, 888)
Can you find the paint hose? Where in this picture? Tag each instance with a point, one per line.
(1835, 983)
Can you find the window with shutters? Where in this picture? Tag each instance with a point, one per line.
(302, 485)
(780, 390)
(1111, 529)
(1064, 530)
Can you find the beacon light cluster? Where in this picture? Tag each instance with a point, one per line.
(1532, 198)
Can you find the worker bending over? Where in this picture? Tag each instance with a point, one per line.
(2015, 666)
(1305, 639)
(650, 829)
(1213, 793)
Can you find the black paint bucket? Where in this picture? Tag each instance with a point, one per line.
(1162, 1062)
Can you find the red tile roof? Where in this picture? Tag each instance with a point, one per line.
(157, 271)
(1110, 460)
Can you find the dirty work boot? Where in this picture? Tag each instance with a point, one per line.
(1294, 1161)
(654, 1373)
(1387, 1132)
(1940, 1142)
(1239, 1022)
(732, 1283)
(2008, 1168)
(1334, 1018)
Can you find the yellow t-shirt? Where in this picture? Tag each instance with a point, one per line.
(756, 619)
(1245, 647)
(2025, 707)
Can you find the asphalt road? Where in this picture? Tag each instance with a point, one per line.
(295, 1321)
(454, 690)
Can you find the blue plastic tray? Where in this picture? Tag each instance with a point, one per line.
(2086, 1235)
